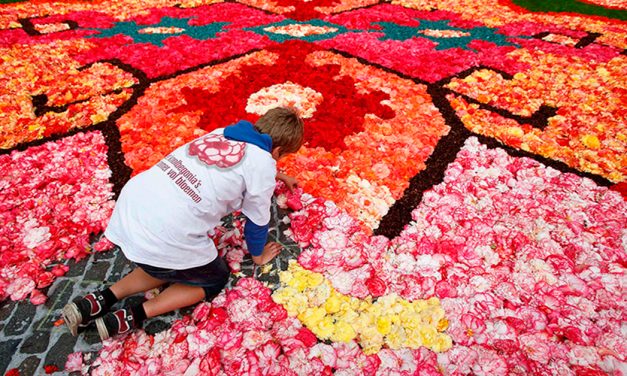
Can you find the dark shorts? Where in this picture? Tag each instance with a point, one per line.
(211, 277)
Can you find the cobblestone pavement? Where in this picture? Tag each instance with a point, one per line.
(30, 340)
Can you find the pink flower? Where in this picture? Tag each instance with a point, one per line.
(37, 297)
(200, 342)
(537, 347)
(306, 337)
(268, 354)
(490, 363)
(326, 353)
(74, 362)
(230, 340)
(253, 339)
(376, 286)
(19, 288)
(103, 244)
(45, 279)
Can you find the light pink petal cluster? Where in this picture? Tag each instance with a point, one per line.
(53, 198)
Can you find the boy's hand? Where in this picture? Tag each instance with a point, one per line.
(289, 181)
(269, 252)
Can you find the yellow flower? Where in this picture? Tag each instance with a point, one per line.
(591, 141)
(384, 324)
(396, 338)
(314, 279)
(344, 332)
(312, 316)
(325, 328)
(442, 343)
(333, 304)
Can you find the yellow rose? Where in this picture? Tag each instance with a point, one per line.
(395, 338)
(591, 141)
(344, 332)
(314, 279)
(333, 304)
(442, 343)
(384, 324)
(325, 328)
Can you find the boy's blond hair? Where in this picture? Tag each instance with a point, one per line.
(285, 127)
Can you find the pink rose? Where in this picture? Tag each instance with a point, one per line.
(20, 287)
(45, 279)
(74, 362)
(294, 199)
(307, 337)
(216, 150)
(103, 245)
(210, 363)
(60, 270)
(37, 297)
(376, 286)
(443, 289)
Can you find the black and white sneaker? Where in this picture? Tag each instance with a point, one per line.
(114, 323)
(78, 314)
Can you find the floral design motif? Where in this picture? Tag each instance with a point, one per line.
(509, 259)
(217, 150)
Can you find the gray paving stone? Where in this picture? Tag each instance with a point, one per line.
(6, 310)
(106, 255)
(90, 336)
(121, 266)
(156, 326)
(57, 355)
(21, 319)
(76, 268)
(8, 348)
(60, 292)
(98, 270)
(29, 365)
(37, 343)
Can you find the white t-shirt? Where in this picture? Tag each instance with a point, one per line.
(163, 214)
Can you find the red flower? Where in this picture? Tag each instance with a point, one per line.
(307, 337)
(51, 368)
(376, 286)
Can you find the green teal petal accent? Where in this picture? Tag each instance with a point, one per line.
(132, 30)
(402, 33)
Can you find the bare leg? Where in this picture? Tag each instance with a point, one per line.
(176, 296)
(134, 282)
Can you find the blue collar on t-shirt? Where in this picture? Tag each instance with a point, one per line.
(245, 131)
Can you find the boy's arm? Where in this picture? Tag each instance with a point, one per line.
(256, 237)
(290, 181)
(270, 251)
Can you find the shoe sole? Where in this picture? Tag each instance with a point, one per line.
(72, 317)
(103, 332)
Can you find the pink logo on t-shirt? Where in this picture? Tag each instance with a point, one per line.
(216, 150)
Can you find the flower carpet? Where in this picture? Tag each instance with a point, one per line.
(461, 203)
